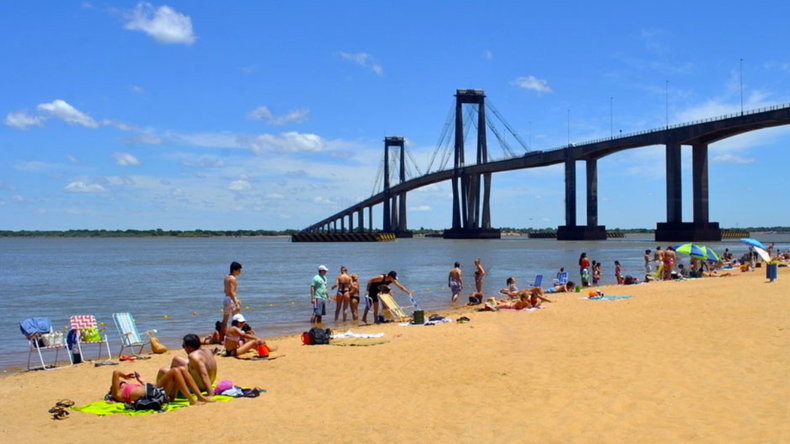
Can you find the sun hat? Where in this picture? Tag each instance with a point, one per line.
(238, 317)
(322, 268)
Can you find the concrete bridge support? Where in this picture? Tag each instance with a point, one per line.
(467, 223)
(571, 230)
(674, 229)
(360, 221)
(370, 218)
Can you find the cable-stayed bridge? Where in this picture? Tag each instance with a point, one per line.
(471, 181)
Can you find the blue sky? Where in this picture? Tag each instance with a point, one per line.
(271, 115)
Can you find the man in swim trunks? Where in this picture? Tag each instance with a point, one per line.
(319, 294)
(373, 289)
(231, 305)
(455, 281)
(199, 362)
(479, 273)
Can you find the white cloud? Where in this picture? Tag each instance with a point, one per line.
(420, 208)
(79, 186)
(164, 24)
(533, 83)
(288, 142)
(119, 181)
(73, 159)
(263, 113)
(731, 158)
(18, 198)
(67, 113)
(118, 125)
(239, 185)
(125, 159)
(143, 139)
(22, 120)
(137, 89)
(201, 162)
(86, 5)
(364, 60)
(488, 55)
(323, 201)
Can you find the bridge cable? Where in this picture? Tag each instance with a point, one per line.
(501, 118)
(448, 121)
(509, 153)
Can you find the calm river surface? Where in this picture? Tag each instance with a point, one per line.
(153, 278)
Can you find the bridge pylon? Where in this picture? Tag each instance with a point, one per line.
(469, 222)
(395, 213)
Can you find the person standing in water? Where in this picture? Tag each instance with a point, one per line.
(319, 294)
(231, 305)
(479, 273)
(354, 296)
(455, 281)
(343, 297)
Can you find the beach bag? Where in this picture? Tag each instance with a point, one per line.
(319, 336)
(154, 399)
(629, 280)
(263, 351)
(306, 338)
(157, 346)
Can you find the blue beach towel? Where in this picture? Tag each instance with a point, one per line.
(35, 325)
(609, 298)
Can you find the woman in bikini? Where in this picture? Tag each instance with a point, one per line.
(234, 346)
(511, 290)
(479, 273)
(343, 297)
(176, 380)
(354, 295)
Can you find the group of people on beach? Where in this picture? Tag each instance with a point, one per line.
(590, 274)
(348, 294)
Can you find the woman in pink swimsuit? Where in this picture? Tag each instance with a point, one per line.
(175, 380)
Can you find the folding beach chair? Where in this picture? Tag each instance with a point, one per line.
(130, 337)
(39, 335)
(395, 311)
(562, 278)
(83, 322)
(537, 282)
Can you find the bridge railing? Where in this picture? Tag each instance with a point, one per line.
(676, 125)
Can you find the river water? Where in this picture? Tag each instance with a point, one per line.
(157, 277)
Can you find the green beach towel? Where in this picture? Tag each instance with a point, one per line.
(104, 408)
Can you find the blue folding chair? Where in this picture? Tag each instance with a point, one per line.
(537, 282)
(562, 278)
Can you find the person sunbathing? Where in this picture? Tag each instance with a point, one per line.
(511, 290)
(171, 383)
(239, 342)
(532, 297)
(568, 287)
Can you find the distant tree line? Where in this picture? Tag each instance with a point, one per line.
(146, 233)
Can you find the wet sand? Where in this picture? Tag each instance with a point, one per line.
(696, 361)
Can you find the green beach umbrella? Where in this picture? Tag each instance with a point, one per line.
(710, 255)
(690, 249)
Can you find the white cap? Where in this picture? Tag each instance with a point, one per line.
(322, 268)
(238, 317)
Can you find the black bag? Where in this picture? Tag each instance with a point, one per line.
(629, 280)
(319, 336)
(154, 399)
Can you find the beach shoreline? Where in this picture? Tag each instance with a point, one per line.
(695, 361)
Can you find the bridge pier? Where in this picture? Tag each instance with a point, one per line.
(360, 221)
(370, 219)
(674, 229)
(572, 231)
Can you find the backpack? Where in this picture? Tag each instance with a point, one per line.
(154, 399)
(629, 280)
(319, 336)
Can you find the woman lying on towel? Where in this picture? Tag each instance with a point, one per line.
(527, 298)
(174, 381)
(562, 288)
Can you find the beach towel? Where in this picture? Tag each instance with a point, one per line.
(104, 408)
(607, 298)
(351, 334)
(358, 342)
(32, 326)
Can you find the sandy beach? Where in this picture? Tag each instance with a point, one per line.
(695, 361)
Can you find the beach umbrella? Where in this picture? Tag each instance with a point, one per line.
(753, 243)
(690, 249)
(763, 254)
(710, 255)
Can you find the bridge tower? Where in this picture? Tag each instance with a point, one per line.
(467, 221)
(395, 214)
(571, 230)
